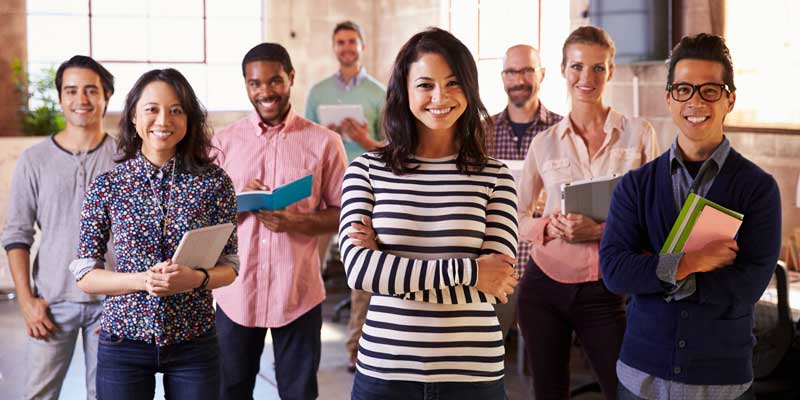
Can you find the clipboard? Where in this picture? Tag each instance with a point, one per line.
(201, 248)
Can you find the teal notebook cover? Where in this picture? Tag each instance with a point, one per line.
(691, 209)
(280, 198)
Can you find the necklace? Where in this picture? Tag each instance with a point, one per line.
(164, 209)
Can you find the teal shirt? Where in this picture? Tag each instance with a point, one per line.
(364, 90)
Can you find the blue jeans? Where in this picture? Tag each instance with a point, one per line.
(126, 368)
(48, 360)
(369, 388)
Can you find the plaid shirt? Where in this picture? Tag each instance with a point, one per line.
(506, 146)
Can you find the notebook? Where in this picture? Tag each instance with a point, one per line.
(277, 199)
(201, 248)
(701, 221)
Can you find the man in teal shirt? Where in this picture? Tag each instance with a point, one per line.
(350, 85)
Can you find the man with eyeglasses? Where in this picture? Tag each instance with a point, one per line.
(514, 128)
(690, 316)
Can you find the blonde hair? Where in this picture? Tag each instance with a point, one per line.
(588, 35)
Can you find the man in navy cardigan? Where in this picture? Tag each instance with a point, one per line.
(690, 316)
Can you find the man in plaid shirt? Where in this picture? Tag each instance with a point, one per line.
(514, 129)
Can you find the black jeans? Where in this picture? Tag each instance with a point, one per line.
(297, 348)
(369, 388)
(549, 312)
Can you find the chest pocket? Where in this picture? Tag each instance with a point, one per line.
(555, 172)
(625, 159)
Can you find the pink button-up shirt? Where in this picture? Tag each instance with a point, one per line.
(279, 277)
(558, 156)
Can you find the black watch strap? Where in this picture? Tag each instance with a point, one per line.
(205, 279)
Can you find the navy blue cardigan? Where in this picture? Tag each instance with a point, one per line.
(705, 339)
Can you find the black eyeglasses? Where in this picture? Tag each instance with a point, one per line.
(527, 72)
(709, 91)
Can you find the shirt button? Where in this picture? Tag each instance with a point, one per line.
(677, 370)
(684, 314)
(681, 344)
(263, 241)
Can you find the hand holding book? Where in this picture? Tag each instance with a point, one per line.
(704, 232)
(713, 255)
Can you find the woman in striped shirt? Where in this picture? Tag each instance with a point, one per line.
(446, 223)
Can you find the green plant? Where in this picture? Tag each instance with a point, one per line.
(39, 109)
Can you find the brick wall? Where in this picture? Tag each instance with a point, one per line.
(13, 35)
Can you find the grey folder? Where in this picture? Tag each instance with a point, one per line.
(589, 197)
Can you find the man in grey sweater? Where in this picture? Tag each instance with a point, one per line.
(47, 191)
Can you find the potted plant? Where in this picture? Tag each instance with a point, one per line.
(39, 110)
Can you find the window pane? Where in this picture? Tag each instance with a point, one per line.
(464, 23)
(226, 88)
(233, 8)
(229, 39)
(125, 75)
(197, 76)
(119, 39)
(176, 39)
(55, 38)
(119, 8)
(766, 96)
(492, 93)
(79, 7)
(506, 23)
(176, 8)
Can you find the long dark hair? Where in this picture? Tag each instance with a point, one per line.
(193, 150)
(399, 124)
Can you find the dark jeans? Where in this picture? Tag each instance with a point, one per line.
(549, 312)
(126, 368)
(297, 349)
(624, 394)
(369, 388)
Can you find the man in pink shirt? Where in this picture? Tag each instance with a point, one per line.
(279, 287)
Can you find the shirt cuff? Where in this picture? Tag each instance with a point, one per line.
(230, 259)
(666, 270)
(469, 276)
(83, 266)
(17, 245)
(533, 229)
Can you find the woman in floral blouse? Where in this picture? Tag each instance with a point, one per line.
(158, 316)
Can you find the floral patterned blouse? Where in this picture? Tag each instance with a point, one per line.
(123, 203)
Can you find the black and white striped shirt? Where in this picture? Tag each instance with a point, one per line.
(426, 321)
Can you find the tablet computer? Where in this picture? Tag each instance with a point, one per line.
(201, 248)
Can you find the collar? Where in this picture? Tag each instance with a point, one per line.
(260, 128)
(543, 116)
(717, 157)
(141, 164)
(360, 76)
(613, 123)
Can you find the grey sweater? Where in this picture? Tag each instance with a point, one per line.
(47, 190)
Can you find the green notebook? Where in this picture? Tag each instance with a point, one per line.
(718, 223)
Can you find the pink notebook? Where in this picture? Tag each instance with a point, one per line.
(711, 225)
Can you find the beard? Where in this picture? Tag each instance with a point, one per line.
(347, 58)
(520, 94)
